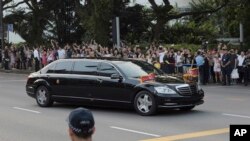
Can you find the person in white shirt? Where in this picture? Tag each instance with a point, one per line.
(50, 56)
(37, 59)
(217, 68)
(179, 62)
(161, 54)
(241, 59)
(61, 53)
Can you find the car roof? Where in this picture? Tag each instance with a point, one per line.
(101, 59)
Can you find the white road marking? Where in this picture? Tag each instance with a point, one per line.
(13, 80)
(27, 110)
(134, 131)
(233, 115)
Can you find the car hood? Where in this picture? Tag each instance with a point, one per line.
(169, 79)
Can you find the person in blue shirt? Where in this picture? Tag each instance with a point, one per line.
(200, 64)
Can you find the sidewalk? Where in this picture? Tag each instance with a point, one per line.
(16, 71)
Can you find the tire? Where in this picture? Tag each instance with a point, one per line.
(188, 108)
(43, 97)
(144, 103)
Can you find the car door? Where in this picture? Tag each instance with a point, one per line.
(84, 80)
(113, 90)
(60, 79)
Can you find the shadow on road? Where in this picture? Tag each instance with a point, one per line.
(131, 111)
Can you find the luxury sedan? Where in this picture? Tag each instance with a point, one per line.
(114, 82)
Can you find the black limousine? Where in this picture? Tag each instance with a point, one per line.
(116, 82)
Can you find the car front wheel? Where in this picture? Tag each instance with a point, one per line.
(43, 97)
(144, 103)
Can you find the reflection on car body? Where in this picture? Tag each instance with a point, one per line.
(111, 81)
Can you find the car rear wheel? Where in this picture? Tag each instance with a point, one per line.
(188, 108)
(144, 103)
(43, 97)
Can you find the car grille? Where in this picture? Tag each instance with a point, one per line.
(186, 90)
(193, 89)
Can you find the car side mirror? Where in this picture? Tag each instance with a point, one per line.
(116, 76)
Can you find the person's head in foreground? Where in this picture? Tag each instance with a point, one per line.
(81, 125)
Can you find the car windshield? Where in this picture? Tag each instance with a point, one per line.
(137, 69)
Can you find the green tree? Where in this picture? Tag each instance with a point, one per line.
(246, 21)
(30, 24)
(134, 24)
(64, 22)
(166, 12)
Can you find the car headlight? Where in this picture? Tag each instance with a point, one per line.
(164, 90)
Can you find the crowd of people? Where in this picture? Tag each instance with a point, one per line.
(215, 66)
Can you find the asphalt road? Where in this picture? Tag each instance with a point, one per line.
(22, 120)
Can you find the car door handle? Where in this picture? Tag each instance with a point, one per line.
(48, 76)
(99, 80)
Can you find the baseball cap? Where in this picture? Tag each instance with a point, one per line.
(81, 121)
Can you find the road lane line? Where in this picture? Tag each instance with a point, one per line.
(191, 135)
(134, 131)
(233, 115)
(13, 80)
(27, 110)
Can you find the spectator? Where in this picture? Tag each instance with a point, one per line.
(246, 65)
(226, 67)
(44, 58)
(188, 60)
(169, 60)
(179, 62)
(161, 54)
(240, 59)
(37, 58)
(61, 53)
(6, 58)
(200, 64)
(29, 55)
(12, 55)
(81, 125)
(234, 61)
(51, 56)
(217, 68)
(23, 58)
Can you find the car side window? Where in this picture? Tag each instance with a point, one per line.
(51, 68)
(107, 70)
(85, 67)
(63, 67)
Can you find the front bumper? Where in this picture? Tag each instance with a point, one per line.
(178, 101)
(30, 90)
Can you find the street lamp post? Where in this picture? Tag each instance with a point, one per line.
(1, 29)
(241, 35)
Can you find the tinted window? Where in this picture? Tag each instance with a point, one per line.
(63, 67)
(49, 68)
(107, 70)
(85, 67)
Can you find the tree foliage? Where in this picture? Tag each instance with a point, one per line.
(83, 20)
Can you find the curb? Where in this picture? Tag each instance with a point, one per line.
(16, 71)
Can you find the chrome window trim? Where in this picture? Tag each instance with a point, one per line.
(94, 99)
